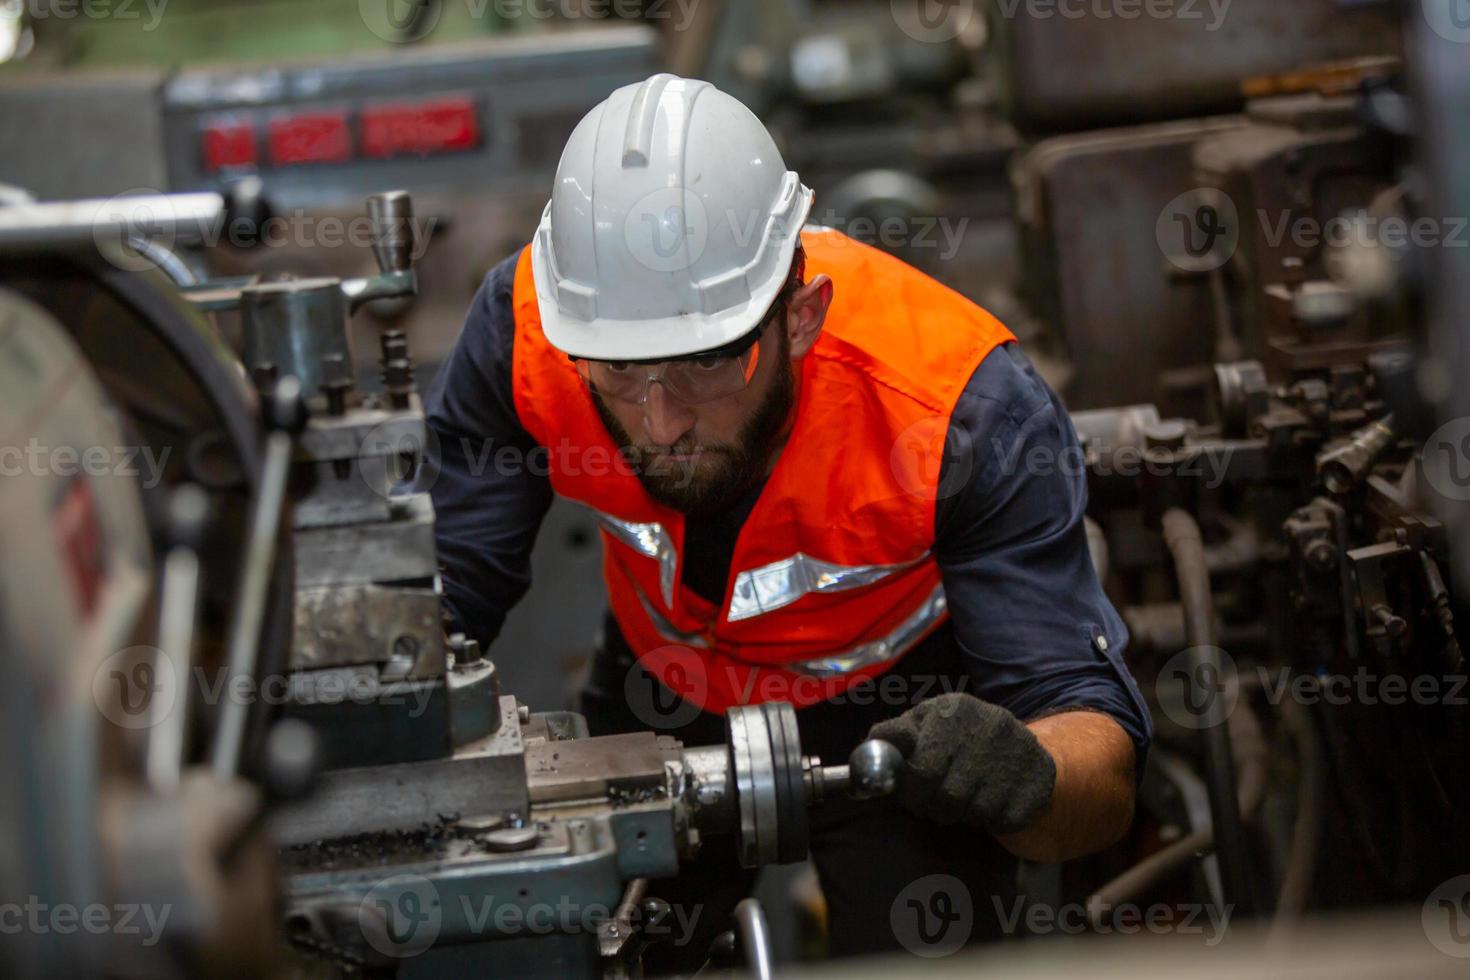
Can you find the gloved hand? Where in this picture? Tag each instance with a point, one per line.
(966, 759)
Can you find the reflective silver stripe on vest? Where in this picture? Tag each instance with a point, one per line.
(893, 645)
(667, 629)
(770, 587)
(650, 540)
(890, 647)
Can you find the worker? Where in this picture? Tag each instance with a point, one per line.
(820, 477)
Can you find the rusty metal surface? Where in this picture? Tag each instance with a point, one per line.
(594, 768)
(1064, 66)
(368, 624)
(1089, 205)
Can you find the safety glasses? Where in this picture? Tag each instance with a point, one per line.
(690, 380)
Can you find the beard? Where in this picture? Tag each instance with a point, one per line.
(721, 473)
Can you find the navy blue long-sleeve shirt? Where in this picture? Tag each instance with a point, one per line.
(1029, 624)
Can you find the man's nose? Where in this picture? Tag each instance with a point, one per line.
(665, 418)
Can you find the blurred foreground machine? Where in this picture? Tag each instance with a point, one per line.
(1272, 509)
(427, 823)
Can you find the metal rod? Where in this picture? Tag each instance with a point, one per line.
(176, 616)
(755, 937)
(255, 581)
(178, 219)
(1186, 545)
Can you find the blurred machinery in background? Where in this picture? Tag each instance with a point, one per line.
(1232, 266)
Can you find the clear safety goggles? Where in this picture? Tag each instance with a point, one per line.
(690, 380)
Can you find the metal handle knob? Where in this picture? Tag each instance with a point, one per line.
(873, 769)
(393, 235)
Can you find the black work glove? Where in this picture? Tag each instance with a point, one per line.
(966, 759)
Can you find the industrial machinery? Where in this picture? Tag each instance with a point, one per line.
(428, 823)
(1230, 283)
(1251, 288)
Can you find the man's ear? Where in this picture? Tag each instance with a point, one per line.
(806, 312)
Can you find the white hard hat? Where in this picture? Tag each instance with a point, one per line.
(671, 225)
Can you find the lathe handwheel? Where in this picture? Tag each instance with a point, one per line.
(770, 790)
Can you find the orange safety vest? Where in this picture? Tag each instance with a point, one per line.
(833, 577)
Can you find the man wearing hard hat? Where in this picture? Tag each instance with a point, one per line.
(821, 477)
